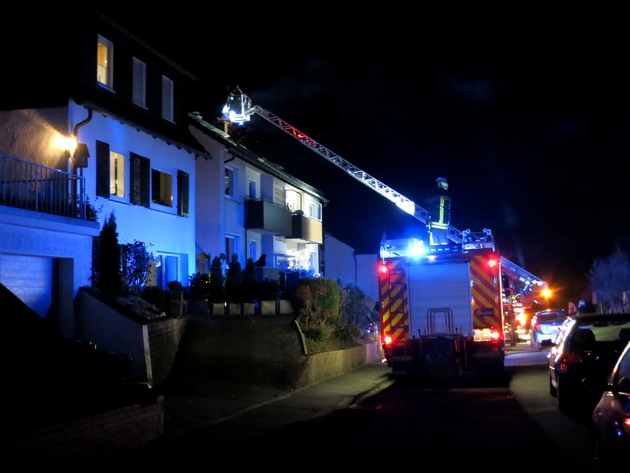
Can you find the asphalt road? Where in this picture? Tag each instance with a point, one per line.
(366, 418)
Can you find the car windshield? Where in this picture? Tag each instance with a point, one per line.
(544, 317)
(607, 330)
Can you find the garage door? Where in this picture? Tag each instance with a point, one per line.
(30, 278)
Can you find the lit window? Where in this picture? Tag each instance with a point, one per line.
(293, 200)
(116, 174)
(279, 195)
(161, 188)
(167, 98)
(105, 62)
(139, 82)
(315, 210)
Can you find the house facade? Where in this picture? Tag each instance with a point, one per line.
(110, 132)
(116, 125)
(267, 211)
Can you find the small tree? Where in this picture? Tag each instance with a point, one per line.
(234, 281)
(249, 281)
(138, 262)
(106, 269)
(217, 291)
(199, 286)
(610, 280)
(356, 308)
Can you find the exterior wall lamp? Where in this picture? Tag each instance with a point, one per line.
(80, 156)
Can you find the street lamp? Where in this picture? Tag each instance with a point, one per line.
(546, 293)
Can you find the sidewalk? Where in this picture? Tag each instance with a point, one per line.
(197, 404)
(201, 416)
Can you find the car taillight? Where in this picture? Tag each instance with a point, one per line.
(495, 336)
(536, 328)
(569, 359)
(387, 339)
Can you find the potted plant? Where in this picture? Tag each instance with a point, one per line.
(217, 290)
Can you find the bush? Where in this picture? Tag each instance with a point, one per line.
(267, 289)
(217, 291)
(319, 332)
(138, 261)
(199, 286)
(317, 301)
(157, 297)
(324, 338)
(106, 269)
(347, 333)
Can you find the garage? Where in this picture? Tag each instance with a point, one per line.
(30, 278)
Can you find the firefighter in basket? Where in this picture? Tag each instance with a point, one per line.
(439, 204)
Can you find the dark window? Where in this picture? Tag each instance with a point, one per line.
(182, 193)
(162, 188)
(140, 177)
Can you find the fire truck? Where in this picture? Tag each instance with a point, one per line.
(442, 308)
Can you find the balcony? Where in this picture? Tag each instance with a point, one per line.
(306, 229)
(31, 186)
(266, 216)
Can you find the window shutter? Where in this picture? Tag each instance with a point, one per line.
(182, 193)
(140, 178)
(102, 169)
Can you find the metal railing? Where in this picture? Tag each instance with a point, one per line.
(31, 186)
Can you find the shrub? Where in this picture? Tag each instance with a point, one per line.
(318, 332)
(249, 281)
(357, 309)
(199, 286)
(217, 291)
(106, 268)
(346, 333)
(234, 281)
(267, 289)
(317, 301)
(157, 297)
(138, 261)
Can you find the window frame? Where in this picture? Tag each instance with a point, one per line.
(117, 174)
(139, 82)
(168, 91)
(105, 62)
(162, 184)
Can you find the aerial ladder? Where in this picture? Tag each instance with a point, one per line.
(239, 110)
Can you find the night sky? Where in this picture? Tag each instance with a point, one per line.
(525, 113)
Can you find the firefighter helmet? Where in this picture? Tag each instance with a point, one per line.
(442, 183)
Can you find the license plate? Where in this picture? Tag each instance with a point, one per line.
(482, 336)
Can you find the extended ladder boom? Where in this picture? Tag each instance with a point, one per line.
(239, 109)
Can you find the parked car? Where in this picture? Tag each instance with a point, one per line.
(581, 358)
(611, 420)
(545, 325)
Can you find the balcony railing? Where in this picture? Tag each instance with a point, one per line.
(31, 186)
(268, 216)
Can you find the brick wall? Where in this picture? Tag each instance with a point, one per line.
(88, 437)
